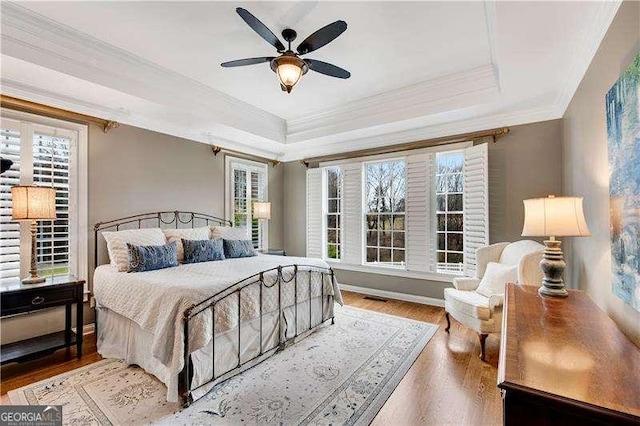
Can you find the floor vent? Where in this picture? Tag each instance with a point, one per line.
(376, 298)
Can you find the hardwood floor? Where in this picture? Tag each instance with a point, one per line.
(447, 384)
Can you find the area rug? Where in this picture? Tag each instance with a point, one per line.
(341, 374)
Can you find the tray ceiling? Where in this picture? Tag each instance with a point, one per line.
(419, 69)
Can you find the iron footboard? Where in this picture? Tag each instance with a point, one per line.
(267, 279)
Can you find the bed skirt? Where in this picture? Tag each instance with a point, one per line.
(119, 337)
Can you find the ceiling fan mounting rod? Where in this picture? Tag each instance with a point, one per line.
(289, 35)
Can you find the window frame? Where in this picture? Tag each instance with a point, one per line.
(363, 267)
(78, 172)
(326, 213)
(446, 212)
(236, 163)
(365, 213)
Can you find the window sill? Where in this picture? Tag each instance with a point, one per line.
(394, 272)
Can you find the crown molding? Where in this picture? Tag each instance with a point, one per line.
(313, 149)
(34, 38)
(592, 38)
(459, 90)
(268, 149)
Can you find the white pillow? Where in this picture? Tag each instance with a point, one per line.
(177, 235)
(229, 233)
(117, 243)
(495, 277)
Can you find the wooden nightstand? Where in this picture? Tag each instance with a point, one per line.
(18, 298)
(275, 252)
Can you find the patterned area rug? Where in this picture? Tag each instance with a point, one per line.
(341, 374)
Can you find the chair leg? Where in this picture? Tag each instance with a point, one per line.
(446, 315)
(483, 338)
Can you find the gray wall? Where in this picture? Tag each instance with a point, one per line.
(131, 171)
(526, 163)
(586, 170)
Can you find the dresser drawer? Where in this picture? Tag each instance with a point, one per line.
(24, 301)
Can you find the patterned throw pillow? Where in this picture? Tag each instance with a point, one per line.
(117, 243)
(238, 248)
(150, 258)
(202, 250)
(180, 234)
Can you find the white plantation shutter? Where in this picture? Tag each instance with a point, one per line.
(476, 204)
(418, 213)
(51, 168)
(352, 213)
(314, 213)
(9, 230)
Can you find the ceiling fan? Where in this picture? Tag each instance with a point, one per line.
(289, 67)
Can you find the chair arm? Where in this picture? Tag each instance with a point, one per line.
(495, 300)
(486, 254)
(466, 283)
(529, 271)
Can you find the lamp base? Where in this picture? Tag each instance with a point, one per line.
(33, 280)
(552, 265)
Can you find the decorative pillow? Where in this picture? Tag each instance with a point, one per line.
(203, 250)
(238, 248)
(178, 235)
(495, 277)
(117, 243)
(150, 258)
(229, 233)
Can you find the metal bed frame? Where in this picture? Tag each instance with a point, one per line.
(177, 218)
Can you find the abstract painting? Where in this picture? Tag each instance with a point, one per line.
(623, 133)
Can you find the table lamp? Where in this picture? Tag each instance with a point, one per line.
(262, 212)
(32, 203)
(554, 217)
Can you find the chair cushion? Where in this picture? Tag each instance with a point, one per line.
(495, 277)
(467, 302)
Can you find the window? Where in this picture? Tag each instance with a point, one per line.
(385, 193)
(421, 215)
(333, 213)
(450, 212)
(246, 183)
(44, 155)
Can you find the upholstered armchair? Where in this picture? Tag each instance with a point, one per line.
(479, 312)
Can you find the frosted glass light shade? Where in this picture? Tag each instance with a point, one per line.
(33, 203)
(261, 210)
(554, 216)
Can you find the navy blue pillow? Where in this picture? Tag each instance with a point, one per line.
(238, 248)
(203, 250)
(150, 258)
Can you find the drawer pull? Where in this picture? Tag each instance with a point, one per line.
(37, 300)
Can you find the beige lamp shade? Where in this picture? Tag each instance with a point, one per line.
(261, 210)
(554, 217)
(33, 203)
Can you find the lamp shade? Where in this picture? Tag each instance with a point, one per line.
(554, 217)
(33, 203)
(261, 210)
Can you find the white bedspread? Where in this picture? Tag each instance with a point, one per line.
(155, 300)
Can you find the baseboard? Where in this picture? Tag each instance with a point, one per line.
(424, 300)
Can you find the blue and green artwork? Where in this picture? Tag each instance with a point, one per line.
(623, 132)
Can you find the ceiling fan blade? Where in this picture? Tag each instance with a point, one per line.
(327, 69)
(260, 28)
(321, 37)
(247, 61)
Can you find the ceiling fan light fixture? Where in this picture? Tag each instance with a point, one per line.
(289, 70)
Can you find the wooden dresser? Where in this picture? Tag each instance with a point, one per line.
(564, 361)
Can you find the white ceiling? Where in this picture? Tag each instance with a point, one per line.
(419, 69)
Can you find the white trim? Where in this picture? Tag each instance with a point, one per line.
(78, 228)
(393, 272)
(423, 300)
(232, 163)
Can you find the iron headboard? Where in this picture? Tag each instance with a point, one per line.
(168, 218)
